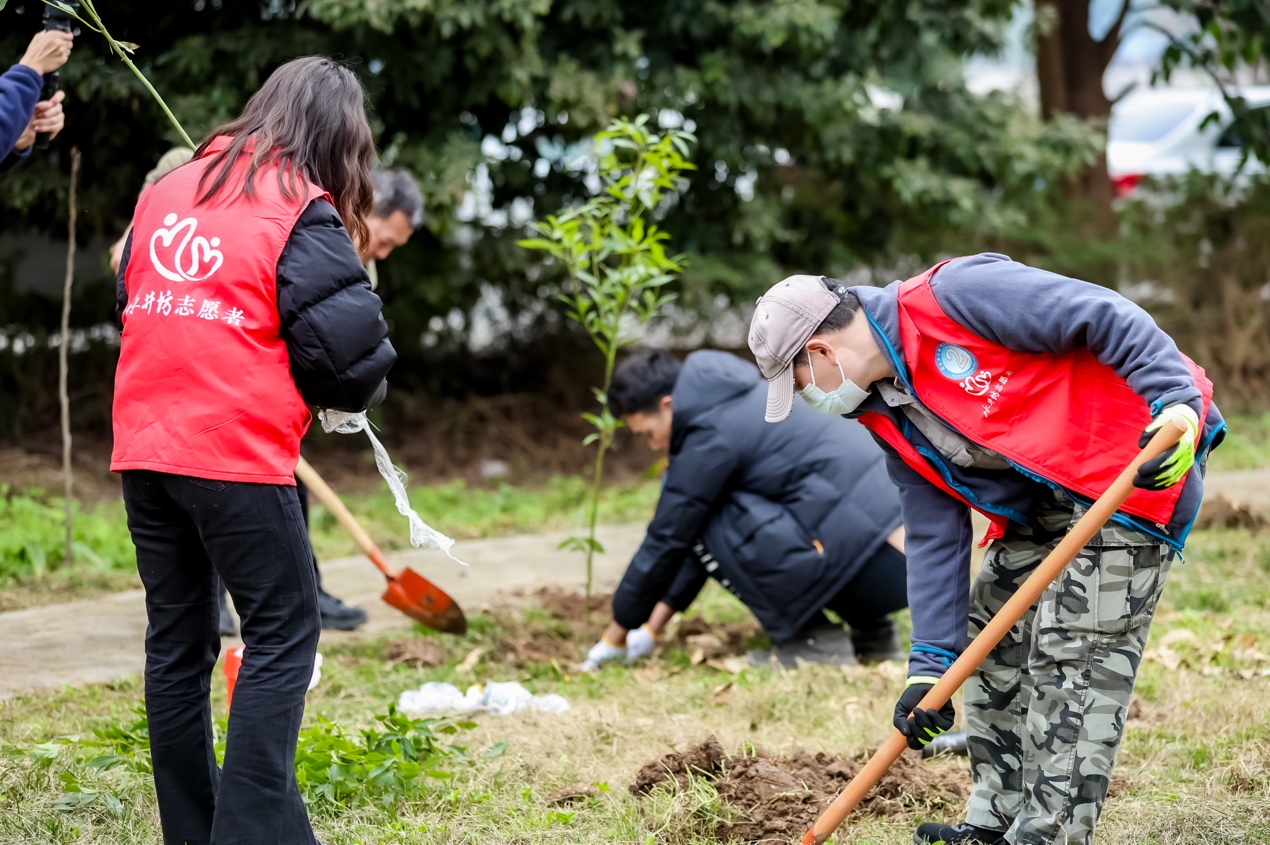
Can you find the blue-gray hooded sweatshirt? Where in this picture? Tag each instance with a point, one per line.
(758, 495)
(20, 88)
(1027, 310)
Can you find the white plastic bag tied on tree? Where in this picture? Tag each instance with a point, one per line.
(421, 535)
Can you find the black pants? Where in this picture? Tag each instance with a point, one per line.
(879, 589)
(303, 492)
(188, 531)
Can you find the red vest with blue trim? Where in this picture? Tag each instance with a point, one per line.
(204, 384)
(1066, 418)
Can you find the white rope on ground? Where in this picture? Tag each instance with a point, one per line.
(421, 535)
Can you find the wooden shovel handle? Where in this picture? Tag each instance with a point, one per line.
(306, 473)
(1055, 562)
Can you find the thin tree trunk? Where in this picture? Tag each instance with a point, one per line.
(1049, 59)
(1070, 64)
(63, 363)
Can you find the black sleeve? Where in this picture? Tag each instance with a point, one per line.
(695, 480)
(688, 583)
(121, 290)
(332, 323)
(12, 160)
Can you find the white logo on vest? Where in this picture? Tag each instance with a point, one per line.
(188, 268)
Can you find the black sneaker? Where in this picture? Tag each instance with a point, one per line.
(877, 643)
(337, 616)
(934, 833)
(826, 644)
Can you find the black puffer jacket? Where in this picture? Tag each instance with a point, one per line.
(332, 323)
(761, 496)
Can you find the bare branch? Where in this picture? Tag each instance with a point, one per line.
(1110, 42)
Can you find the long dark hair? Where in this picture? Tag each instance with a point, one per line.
(309, 118)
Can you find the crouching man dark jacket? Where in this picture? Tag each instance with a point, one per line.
(788, 513)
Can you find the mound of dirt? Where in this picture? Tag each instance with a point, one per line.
(568, 606)
(536, 645)
(774, 798)
(1220, 512)
(723, 639)
(416, 652)
(564, 638)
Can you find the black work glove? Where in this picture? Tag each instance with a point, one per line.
(923, 725)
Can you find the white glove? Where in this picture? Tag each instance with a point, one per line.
(601, 653)
(639, 643)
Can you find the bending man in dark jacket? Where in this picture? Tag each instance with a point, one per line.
(793, 520)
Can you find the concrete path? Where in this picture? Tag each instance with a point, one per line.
(102, 639)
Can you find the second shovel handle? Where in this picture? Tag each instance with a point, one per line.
(306, 473)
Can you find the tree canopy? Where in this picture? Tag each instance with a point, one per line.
(830, 130)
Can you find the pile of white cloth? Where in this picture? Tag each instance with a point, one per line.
(501, 699)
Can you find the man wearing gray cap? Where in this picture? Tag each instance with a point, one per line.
(1022, 394)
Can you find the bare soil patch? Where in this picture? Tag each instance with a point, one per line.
(560, 634)
(1219, 512)
(776, 798)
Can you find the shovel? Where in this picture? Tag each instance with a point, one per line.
(1055, 562)
(407, 590)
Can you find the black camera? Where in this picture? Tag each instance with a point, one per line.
(63, 21)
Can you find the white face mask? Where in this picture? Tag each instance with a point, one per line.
(843, 400)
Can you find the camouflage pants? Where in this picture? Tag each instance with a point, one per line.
(1046, 711)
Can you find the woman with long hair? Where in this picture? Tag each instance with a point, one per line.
(242, 299)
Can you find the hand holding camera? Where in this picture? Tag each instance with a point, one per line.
(48, 51)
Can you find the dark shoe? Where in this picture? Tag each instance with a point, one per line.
(934, 833)
(878, 643)
(337, 616)
(826, 644)
(228, 628)
(953, 742)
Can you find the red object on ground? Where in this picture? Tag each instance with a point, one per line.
(233, 662)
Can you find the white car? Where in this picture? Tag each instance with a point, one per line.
(1157, 132)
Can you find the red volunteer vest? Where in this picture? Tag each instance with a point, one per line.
(1067, 418)
(204, 385)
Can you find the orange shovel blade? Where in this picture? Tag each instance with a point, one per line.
(423, 601)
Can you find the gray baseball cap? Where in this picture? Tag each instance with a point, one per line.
(784, 321)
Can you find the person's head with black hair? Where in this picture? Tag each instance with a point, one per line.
(642, 385)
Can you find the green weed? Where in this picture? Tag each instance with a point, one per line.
(335, 769)
(33, 532)
(1247, 444)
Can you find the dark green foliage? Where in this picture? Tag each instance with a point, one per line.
(1228, 35)
(760, 80)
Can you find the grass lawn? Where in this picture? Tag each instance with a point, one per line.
(1194, 768)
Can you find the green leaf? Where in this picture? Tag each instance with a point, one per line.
(495, 750)
(538, 243)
